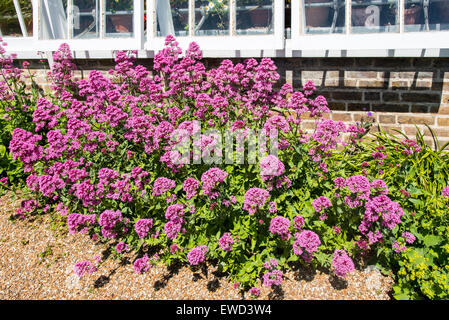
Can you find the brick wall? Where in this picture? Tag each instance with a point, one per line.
(400, 92)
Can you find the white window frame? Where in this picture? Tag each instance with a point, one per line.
(102, 43)
(226, 45)
(347, 44)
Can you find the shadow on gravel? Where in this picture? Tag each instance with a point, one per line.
(276, 294)
(213, 285)
(338, 283)
(172, 270)
(104, 280)
(303, 272)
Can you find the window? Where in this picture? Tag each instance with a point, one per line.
(217, 25)
(369, 27)
(230, 28)
(90, 24)
(16, 18)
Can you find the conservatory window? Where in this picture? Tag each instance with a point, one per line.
(86, 19)
(16, 18)
(214, 17)
(323, 16)
(426, 15)
(372, 16)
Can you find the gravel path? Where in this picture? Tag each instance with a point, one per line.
(37, 259)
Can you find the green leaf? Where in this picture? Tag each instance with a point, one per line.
(432, 240)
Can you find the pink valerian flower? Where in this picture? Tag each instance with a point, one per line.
(272, 207)
(342, 263)
(381, 207)
(308, 240)
(190, 187)
(74, 221)
(108, 219)
(162, 185)
(309, 88)
(121, 247)
(280, 225)
(83, 267)
(46, 114)
(142, 265)
(254, 292)
(271, 167)
(226, 242)
(255, 198)
(23, 145)
(276, 122)
(321, 203)
(409, 237)
(336, 229)
(4, 181)
(445, 192)
(173, 248)
(298, 222)
(210, 179)
(340, 182)
(142, 227)
(272, 278)
(398, 248)
(406, 194)
(174, 214)
(197, 255)
(380, 186)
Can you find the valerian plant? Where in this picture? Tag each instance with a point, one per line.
(104, 153)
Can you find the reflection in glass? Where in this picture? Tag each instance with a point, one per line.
(254, 17)
(374, 16)
(53, 20)
(172, 17)
(324, 16)
(426, 15)
(9, 21)
(86, 19)
(119, 18)
(211, 17)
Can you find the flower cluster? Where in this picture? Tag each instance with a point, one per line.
(197, 255)
(342, 263)
(255, 198)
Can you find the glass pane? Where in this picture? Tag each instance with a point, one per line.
(324, 16)
(172, 18)
(9, 21)
(211, 17)
(86, 19)
(374, 16)
(119, 18)
(53, 20)
(426, 16)
(254, 17)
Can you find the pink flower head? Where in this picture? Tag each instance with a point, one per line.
(342, 263)
(321, 203)
(255, 198)
(197, 255)
(162, 185)
(279, 225)
(84, 267)
(226, 242)
(271, 167)
(121, 247)
(142, 227)
(190, 186)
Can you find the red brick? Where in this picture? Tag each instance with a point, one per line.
(430, 120)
